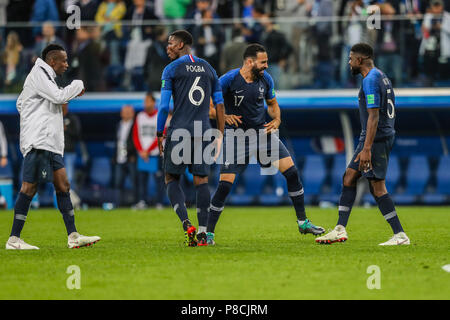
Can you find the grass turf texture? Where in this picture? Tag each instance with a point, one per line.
(259, 255)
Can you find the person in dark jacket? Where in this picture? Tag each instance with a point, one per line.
(156, 59)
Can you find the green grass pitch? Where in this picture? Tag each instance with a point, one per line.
(259, 255)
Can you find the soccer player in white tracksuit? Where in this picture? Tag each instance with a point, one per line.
(42, 143)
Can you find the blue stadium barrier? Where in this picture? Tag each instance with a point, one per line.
(277, 192)
(417, 177)
(100, 172)
(253, 185)
(337, 172)
(442, 192)
(313, 175)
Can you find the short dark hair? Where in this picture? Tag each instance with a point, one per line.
(150, 94)
(51, 47)
(184, 36)
(364, 49)
(252, 50)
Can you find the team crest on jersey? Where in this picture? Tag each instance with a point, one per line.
(191, 68)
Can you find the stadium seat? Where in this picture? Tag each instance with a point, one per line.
(337, 171)
(6, 172)
(313, 176)
(417, 176)
(278, 192)
(442, 192)
(253, 184)
(100, 172)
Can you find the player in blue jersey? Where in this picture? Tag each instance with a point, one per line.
(192, 83)
(244, 91)
(377, 116)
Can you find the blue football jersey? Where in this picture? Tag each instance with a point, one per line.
(377, 92)
(192, 82)
(247, 99)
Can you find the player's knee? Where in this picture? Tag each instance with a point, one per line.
(198, 180)
(377, 188)
(29, 189)
(349, 180)
(171, 177)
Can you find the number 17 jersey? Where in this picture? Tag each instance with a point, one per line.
(193, 82)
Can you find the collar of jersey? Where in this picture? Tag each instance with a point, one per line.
(41, 63)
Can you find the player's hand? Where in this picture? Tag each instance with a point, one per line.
(272, 126)
(81, 93)
(217, 147)
(144, 155)
(3, 161)
(233, 120)
(160, 145)
(364, 158)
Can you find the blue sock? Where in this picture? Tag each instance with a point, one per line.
(20, 213)
(177, 200)
(346, 202)
(217, 204)
(203, 200)
(296, 192)
(66, 209)
(387, 208)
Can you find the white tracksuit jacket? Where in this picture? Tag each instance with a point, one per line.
(39, 106)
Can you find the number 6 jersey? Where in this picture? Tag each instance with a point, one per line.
(377, 92)
(192, 82)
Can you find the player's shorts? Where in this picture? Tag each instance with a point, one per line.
(179, 155)
(38, 166)
(259, 148)
(380, 158)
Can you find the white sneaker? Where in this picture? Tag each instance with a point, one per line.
(76, 240)
(15, 243)
(397, 239)
(338, 234)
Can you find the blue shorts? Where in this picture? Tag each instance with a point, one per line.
(380, 158)
(38, 166)
(259, 148)
(175, 160)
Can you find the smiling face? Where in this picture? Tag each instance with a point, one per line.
(259, 64)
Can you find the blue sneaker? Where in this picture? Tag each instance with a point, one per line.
(307, 227)
(210, 239)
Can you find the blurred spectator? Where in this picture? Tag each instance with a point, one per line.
(13, 66)
(86, 62)
(44, 10)
(430, 46)
(278, 50)
(88, 9)
(156, 59)
(353, 34)
(233, 52)
(141, 10)
(48, 36)
(388, 42)
(252, 28)
(208, 38)
(109, 15)
(324, 71)
(3, 20)
(175, 9)
(146, 143)
(196, 13)
(228, 9)
(412, 36)
(125, 155)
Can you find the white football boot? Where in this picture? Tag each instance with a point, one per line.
(397, 239)
(76, 240)
(15, 243)
(338, 234)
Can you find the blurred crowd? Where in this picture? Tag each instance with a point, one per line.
(121, 43)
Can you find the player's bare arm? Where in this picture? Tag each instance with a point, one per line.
(273, 109)
(365, 155)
